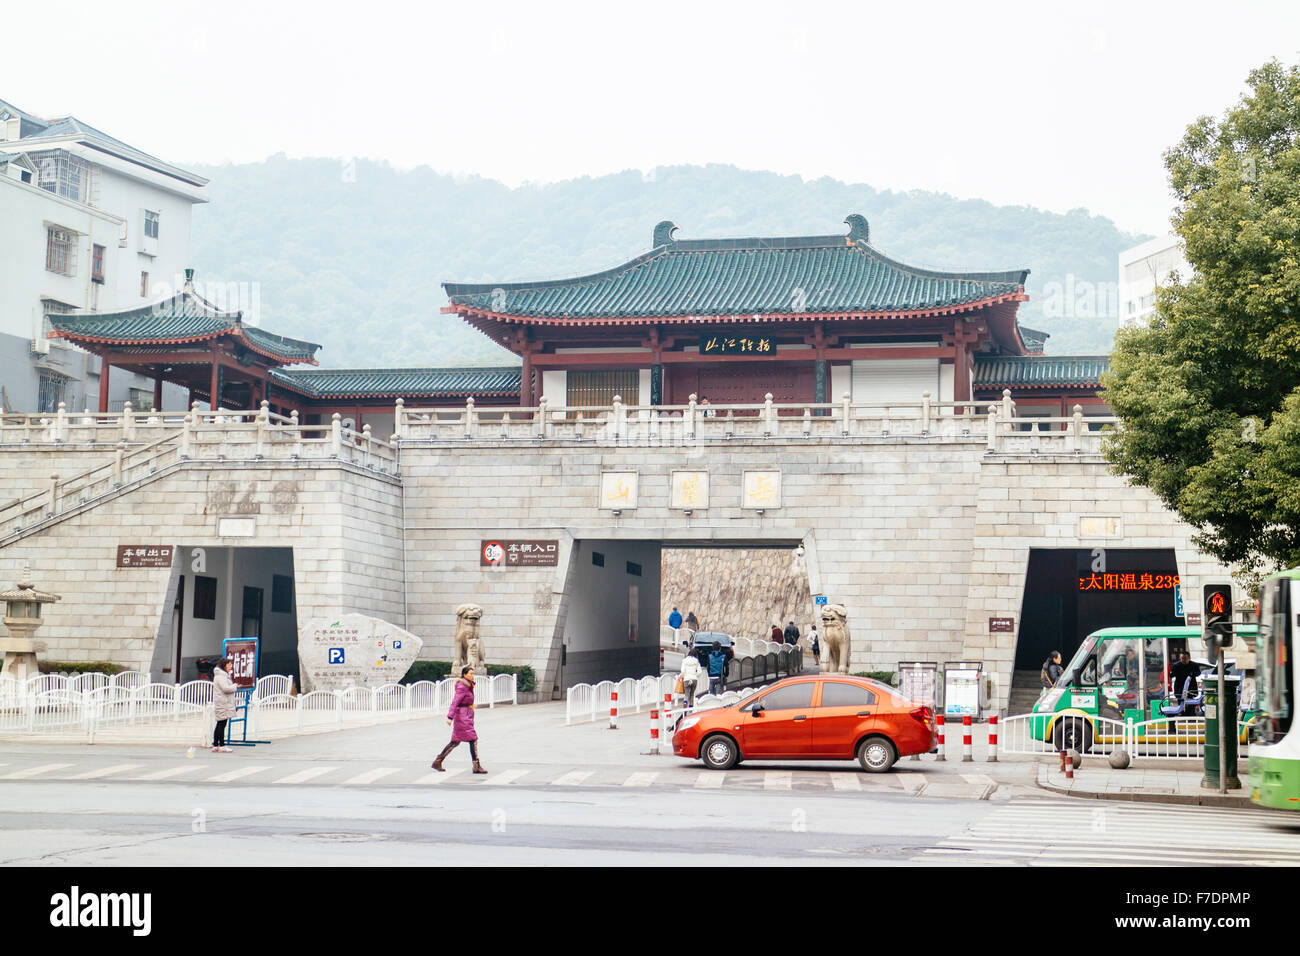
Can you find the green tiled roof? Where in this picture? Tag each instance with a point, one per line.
(182, 319)
(712, 277)
(1035, 341)
(1029, 371)
(342, 383)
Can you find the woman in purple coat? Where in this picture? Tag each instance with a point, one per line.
(461, 719)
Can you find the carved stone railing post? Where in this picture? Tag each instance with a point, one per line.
(187, 424)
(846, 415)
(925, 413)
(1076, 426)
(54, 496)
(117, 467)
(688, 423)
(619, 422)
(993, 428)
(399, 419)
(263, 425)
(1007, 405)
(543, 417)
(470, 417)
(61, 423)
(769, 416)
(365, 444)
(731, 423)
(297, 433)
(505, 424)
(807, 422)
(128, 423)
(336, 435)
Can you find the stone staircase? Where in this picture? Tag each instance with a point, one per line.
(1024, 692)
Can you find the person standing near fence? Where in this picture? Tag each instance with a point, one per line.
(675, 622)
(460, 717)
(690, 676)
(717, 669)
(813, 644)
(223, 704)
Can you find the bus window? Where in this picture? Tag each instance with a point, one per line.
(1089, 676)
(1273, 671)
(1119, 662)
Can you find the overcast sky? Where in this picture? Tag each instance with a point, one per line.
(1051, 105)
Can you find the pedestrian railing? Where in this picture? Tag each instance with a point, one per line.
(584, 702)
(1174, 738)
(129, 708)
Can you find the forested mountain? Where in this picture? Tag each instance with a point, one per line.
(352, 255)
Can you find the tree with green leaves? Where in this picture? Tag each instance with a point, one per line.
(1210, 391)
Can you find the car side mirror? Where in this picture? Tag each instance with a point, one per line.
(758, 710)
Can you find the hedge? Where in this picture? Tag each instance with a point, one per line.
(885, 677)
(441, 670)
(78, 667)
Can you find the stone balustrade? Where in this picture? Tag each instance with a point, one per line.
(194, 436)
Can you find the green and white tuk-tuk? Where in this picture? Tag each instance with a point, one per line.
(1122, 674)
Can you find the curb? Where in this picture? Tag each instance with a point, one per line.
(1196, 800)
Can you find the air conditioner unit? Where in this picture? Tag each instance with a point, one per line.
(40, 345)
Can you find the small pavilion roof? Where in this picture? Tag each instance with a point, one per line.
(1039, 371)
(375, 383)
(183, 319)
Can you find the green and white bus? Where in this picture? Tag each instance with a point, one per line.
(1120, 676)
(1275, 746)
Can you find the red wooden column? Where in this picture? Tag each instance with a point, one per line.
(157, 392)
(212, 392)
(103, 385)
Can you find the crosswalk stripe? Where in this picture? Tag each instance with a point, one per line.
(710, 779)
(846, 781)
(34, 771)
(105, 771)
(170, 772)
(572, 778)
(302, 776)
(370, 776)
(505, 776)
(440, 776)
(777, 780)
(236, 774)
(641, 779)
(1152, 849)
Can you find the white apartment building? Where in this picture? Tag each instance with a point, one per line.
(87, 224)
(1141, 269)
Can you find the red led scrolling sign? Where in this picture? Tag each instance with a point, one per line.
(1128, 581)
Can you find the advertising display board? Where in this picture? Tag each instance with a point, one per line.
(919, 681)
(243, 653)
(961, 688)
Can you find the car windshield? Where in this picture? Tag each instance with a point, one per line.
(1072, 671)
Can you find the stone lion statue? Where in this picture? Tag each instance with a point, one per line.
(467, 645)
(835, 639)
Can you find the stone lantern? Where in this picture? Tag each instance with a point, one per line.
(22, 618)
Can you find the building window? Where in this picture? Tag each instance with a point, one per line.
(281, 594)
(144, 285)
(96, 263)
(61, 252)
(63, 174)
(151, 224)
(597, 559)
(205, 598)
(634, 569)
(50, 391)
(599, 388)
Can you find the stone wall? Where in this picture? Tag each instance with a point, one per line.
(740, 591)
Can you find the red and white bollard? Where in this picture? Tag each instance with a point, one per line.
(667, 716)
(993, 738)
(938, 721)
(654, 729)
(966, 755)
(1069, 766)
(613, 710)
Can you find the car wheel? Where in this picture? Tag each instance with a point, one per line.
(1072, 733)
(876, 754)
(719, 752)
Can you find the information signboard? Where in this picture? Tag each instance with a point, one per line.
(243, 654)
(961, 688)
(144, 556)
(919, 681)
(516, 553)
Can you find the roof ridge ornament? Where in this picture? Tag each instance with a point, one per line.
(664, 233)
(858, 229)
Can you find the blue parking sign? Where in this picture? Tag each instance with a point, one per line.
(336, 655)
(397, 645)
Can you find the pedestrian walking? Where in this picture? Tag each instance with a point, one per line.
(1051, 672)
(717, 669)
(223, 704)
(814, 643)
(461, 720)
(690, 678)
(791, 633)
(692, 621)
(675, 619)
(777, 636)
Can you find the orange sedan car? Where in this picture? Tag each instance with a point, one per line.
(815, 717)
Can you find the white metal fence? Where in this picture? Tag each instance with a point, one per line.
(592, 701)
(129, 706)
(1178, 738)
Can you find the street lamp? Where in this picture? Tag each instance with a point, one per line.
(22, 618)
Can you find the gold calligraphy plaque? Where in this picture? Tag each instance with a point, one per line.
(618, 490)
(762, 489)
(690, 490)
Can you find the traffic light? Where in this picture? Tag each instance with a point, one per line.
(1217, 605)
